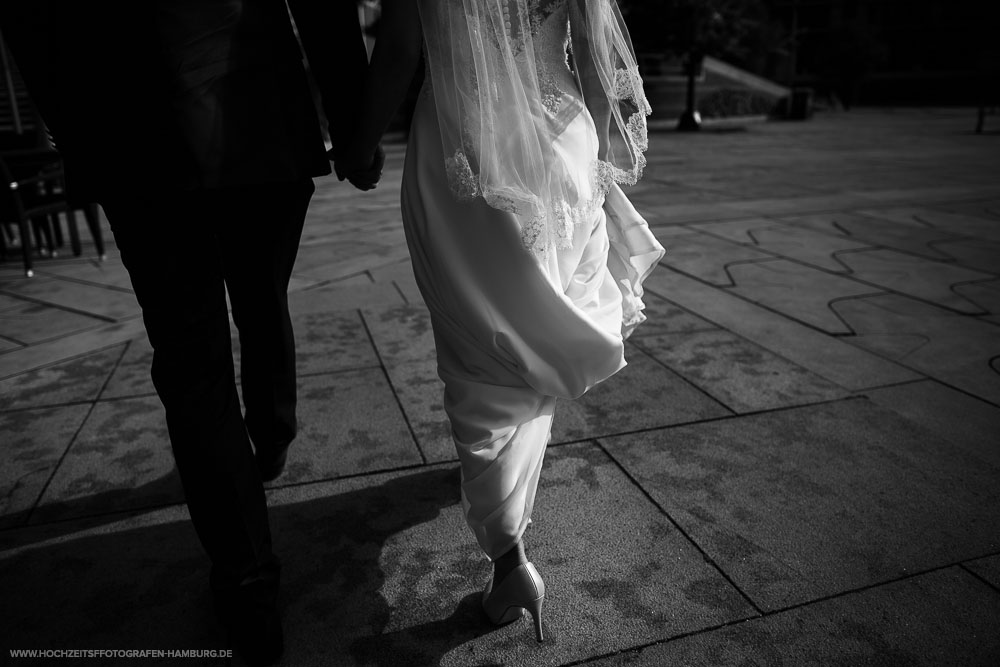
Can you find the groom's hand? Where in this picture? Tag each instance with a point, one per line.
(353, 170)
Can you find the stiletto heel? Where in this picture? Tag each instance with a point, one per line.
(535, 609)
(522, 589)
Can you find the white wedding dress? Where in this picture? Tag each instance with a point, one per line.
(515, 331)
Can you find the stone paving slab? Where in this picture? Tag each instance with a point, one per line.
(401, 276)
(383, 570)
(406, 588)
(983, 208)
(920, 278)
(30, 322)
(111, 272)
(739, 374)
(800, 292)
(873, 231)
(988, 568)
(135, 583)
(341, 296)
(799, 504)
(421, 394)
(983, 295)
(330, 341)
(955, 349)
(658, 213)
(937, 407)
(35, 441)
(80, 344)
(643, 395)
(131, 377)
(345, 258)
(77, 380)
(804, 245)
(956, 223)
(708, 258)
(828, 357)
(349, 423)
(120, 460)
(665, 317)
(94, 300)
(973, 253)
(401, 333)
(940, 618)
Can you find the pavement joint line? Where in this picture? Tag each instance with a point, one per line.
(84, 281)
(979, 576)
(710, 420)
(357, 475)
(902, 364)
(338, 371)
(399, 290)
(928, 378)
(415, 466)
(152, 507)
(49, 304)
(867, 587)
(820, 209)
(704, 554)
(771, 310)
(638, 345)
(975, 281)
(742, 262)
(847, 325)
(884, 290)
(957, 261)
(850, 273)
(330, 281)
(53, 406)
(642, 647)
(12, 340)
(42, 341)
(72, 440)
(892, 385)
(62, 360)
(392, 387)
(775, 612)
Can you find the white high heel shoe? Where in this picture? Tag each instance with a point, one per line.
(522, 589)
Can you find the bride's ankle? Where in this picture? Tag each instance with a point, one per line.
(506, 563)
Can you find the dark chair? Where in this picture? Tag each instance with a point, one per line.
(32, 193)
(34, 190)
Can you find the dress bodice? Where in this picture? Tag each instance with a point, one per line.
(548, 21)
(550, 37)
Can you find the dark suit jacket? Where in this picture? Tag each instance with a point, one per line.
(185, 94)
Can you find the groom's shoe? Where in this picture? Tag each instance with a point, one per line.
(250, 614)
(271, 461)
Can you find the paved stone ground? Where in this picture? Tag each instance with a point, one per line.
(800, 465)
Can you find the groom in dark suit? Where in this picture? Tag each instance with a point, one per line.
(192, 123)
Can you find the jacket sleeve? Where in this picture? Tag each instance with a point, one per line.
(331, 37)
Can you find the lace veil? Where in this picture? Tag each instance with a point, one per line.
(499, 122)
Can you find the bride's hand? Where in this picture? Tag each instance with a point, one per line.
(363, 168)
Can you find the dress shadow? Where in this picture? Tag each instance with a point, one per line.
(345, 556)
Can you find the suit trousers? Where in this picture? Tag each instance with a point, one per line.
(184, 251)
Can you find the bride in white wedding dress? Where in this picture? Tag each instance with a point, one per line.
(527, 253)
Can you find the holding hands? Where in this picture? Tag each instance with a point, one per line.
(361, 167)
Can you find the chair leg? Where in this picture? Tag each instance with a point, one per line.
(43, 234)
(74, 233)
(22, 225)
(92, 215)
(56, 226)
